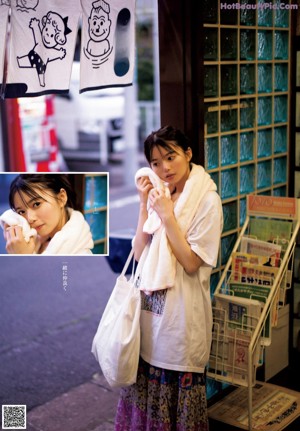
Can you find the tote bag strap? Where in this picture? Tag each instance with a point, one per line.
(129, 258)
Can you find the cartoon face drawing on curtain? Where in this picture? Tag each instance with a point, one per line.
(98, 46)
(26, 5)
(50, 35)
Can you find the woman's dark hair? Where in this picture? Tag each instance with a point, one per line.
(162, 137)
(31, 183)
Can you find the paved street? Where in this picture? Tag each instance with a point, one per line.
(45, 330)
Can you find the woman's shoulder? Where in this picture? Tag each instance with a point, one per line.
(210, 209)
(210, 200)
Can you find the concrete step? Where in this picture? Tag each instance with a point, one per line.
(88, 407)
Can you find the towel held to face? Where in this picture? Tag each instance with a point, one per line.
(75, 237)
(153, 221)
(12, 218)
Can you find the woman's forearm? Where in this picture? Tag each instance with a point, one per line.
(180, 247)
(141, 238)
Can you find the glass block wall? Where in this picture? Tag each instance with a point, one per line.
(246, 99)
(96, 209)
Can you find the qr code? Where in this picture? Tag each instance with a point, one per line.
(14, 417)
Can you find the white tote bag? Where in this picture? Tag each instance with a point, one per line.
(116, 344)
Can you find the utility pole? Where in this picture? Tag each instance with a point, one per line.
(156, 74)
(130, 134)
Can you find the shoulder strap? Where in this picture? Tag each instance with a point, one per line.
(129, 258)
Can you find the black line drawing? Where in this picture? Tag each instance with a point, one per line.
(98, 47)
(27, 5)
(122, 43)
(50, 35)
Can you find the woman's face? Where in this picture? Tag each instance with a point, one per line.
(171, 165)
(45, 213)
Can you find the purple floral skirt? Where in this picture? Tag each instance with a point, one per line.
(163, 400)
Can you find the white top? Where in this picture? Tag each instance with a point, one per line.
(75, 237)
(176, 323)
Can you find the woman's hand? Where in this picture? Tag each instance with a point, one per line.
(144, 185)
(15, 242)
(161, 204)
(179, 245)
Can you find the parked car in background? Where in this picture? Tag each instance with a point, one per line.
(89, 125)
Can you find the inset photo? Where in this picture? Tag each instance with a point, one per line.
(54, 214)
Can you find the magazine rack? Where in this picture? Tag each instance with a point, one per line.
(242, 323)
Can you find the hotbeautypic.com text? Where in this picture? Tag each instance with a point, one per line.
(266, 6)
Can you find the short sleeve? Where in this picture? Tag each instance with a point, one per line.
(206, 228)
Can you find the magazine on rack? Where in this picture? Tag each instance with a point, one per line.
(242, 261)
(261, 248)
(270, 230)
(238, 356)
(258, 274)
(235, 319)
(252, 277)
(231, 357)
(240, 313)
(259, 293)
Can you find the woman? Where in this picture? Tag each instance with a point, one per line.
(175, 264)
(44, 208)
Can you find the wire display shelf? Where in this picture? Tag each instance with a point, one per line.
(252, 289)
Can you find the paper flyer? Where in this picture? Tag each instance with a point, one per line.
(273, 408)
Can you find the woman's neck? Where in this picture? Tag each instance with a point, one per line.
(44, 245)
(180, 185)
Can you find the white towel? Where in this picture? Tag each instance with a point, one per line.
(12, 218)
(38, 63)
(108, 43)
(159, 268)
(74, 238)
(153, 221)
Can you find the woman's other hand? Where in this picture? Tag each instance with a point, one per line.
(144, 186)
(15, 242)
(161, 204)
